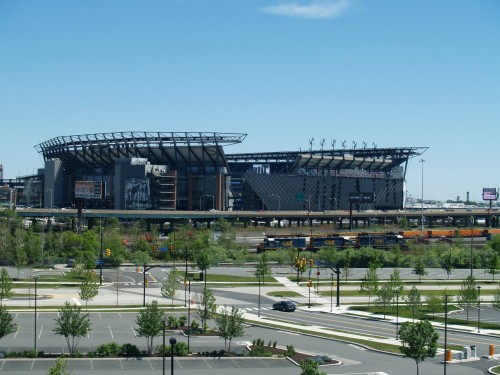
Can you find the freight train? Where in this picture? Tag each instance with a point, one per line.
(314, 243)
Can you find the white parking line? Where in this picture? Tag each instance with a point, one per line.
(17, 331)
(110, 331)
(40, 335)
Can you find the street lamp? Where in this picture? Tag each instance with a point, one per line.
(397, 315)
(189, 312)
(445, 331)
(173, 341)
(331, 295)
(422, 161)
(471, 246)
(478, 307)
(35, 277)
(164, 320)
(259, 296)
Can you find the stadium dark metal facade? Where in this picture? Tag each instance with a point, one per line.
(191, 171)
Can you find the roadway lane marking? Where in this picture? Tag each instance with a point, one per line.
(110, 331)
(1, 368)
(150, 365)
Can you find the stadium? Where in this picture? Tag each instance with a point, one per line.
(191, 171)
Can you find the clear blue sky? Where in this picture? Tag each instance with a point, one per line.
(395, 73)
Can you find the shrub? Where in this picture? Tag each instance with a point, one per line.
(274, 344)
(290, 351)
(182, 320)
(259, 351)
(180, 349)
(107, 350)
(130, 350)
(173, 322)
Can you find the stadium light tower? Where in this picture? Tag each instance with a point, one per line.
(422, 161)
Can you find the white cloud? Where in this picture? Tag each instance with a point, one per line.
(317, 10)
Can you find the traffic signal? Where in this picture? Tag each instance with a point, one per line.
(171, 248)
(155, 248)
(310, 283)
(311, 262)
(108, 252)
(147, 282)
(297, 262)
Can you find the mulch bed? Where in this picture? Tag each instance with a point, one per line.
(297, 357)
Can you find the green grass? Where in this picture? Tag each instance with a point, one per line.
(496, 370)
(284, 294)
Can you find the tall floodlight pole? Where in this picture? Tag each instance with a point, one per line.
(101, 254)
(445, 330)
(35, 277)
(422, 219)
(471, 246)
(478, 308)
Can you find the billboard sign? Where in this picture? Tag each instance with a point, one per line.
(490, 194)
(88, 189)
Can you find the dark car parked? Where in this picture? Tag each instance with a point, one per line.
(284, 306)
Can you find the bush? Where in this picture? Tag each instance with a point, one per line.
(259, 351)
(290, 351)
(107, 350)
(130, 350)
(173, 322)
(182, 320)
(274, 344)
(180, 349)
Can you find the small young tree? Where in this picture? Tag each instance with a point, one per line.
(170, 285)
(467, 295)
(149, 322)
(369, 282)
(496, 299)
(72, 325)
(493, 265)
(89, 288)
(205, 302)
(434, 303)
(60, 367)
(419, 341)
(384, 297)
(5, 286)
(309, 367)
(413, 301)
(229, 324)
(6, 325)
(262, 269)
(420, 268)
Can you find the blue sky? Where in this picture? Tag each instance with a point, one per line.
(394, 73)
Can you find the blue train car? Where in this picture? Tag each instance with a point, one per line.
(340, 242)
(380, 241)
(278, 243)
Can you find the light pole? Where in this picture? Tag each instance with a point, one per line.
(259, 297)
(331, 295)
(35, 277)
(445, 331)
(478, 308)
(189, 312)
(397, 315)
(471, 246)
(422, 219)
(164, 320)
(173, 341)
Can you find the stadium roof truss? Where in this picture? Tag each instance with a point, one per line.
(172, 148)
(373, 159)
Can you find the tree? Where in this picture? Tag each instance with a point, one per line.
(170, 285)
(496, 299)
(203, 262)
(384, 297)
(149, 322)
(262, 269)
(309, 367)
(60, 367)
(395, 284)
(447, 263)
(420, 268)
(369, 282)
(6, 325)
(229, 324)
(88, 288)
(419, 341)
(467, 295)
(5, 286)
(205, 301)
(413, 301)
(72, 324)
(493, 265)
(434, 303)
